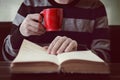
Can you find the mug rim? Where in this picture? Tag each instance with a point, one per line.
(51, 8)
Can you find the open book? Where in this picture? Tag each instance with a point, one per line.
(34, 59)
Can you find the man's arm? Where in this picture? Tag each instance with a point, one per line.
(101, 37)
(24, 25)
(13, 41)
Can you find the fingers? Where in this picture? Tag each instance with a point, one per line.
(30, 33)
(45, 47)
(62, 44)
(72, 46)
(36, 17)
(35, 27)
(57, 45)
(52, 45)
(31, 26)
(33, 23)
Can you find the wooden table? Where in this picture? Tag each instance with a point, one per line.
(6, 75)
(4, 71)
(115, 71)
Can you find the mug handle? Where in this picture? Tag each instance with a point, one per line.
(41, 14)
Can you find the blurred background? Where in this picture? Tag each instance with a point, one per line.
(8, 9)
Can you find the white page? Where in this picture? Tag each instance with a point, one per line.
(30, 52)
(82, 55)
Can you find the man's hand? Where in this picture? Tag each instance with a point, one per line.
(32, 25)
(62, 44)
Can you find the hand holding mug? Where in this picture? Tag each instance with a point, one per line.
(30, 26)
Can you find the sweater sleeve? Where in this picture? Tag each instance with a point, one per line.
(13, 41)
(101, 38)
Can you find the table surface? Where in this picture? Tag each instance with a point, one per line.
(5, 74)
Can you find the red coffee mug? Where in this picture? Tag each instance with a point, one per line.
(52, 18)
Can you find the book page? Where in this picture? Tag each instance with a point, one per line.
(30, 52)
(80, 55)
